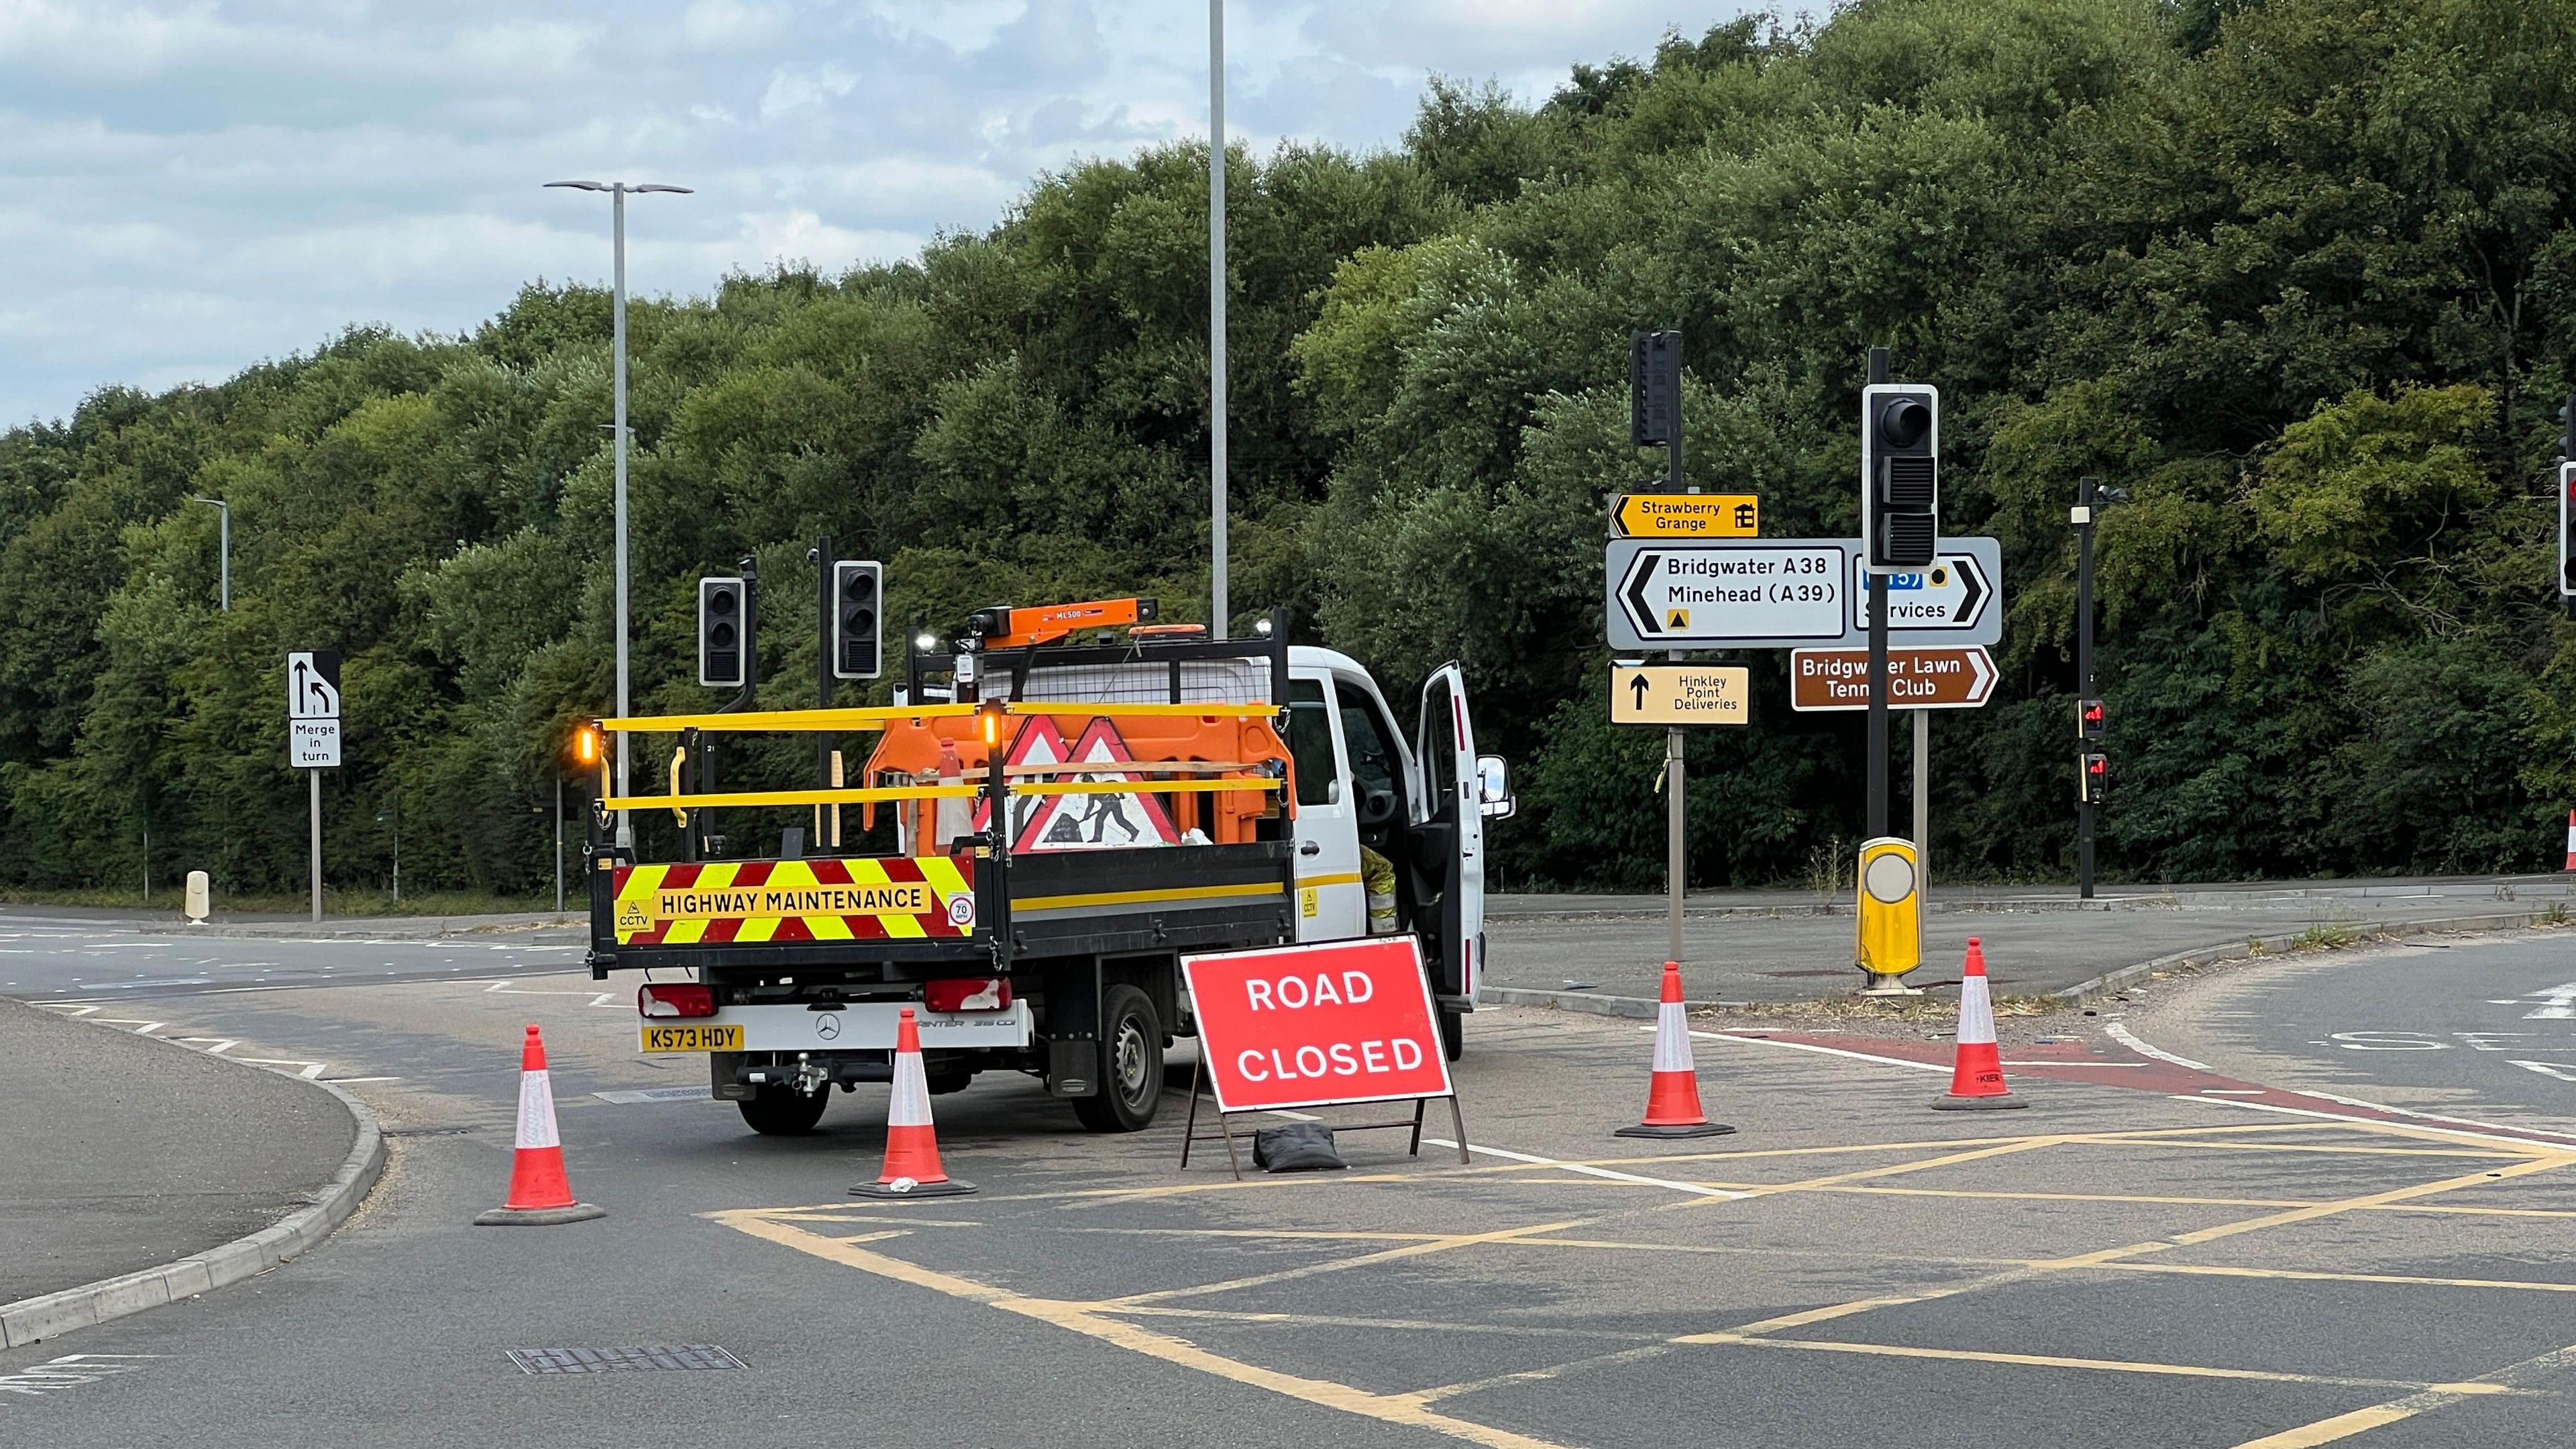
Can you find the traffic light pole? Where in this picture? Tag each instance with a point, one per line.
(2083, 673)
(1675, 866)
(823, 561)
(1877, 666)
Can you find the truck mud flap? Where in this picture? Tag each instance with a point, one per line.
(1073, 1026)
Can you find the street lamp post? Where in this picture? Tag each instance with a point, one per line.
(224, 533)
(1216, 319)
(618, 191)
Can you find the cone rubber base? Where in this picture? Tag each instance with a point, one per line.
(1976, 1104)
(951, 1188)
(538, 1217)
(1693, 1129)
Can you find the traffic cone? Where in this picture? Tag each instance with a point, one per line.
(1672, 1102)
(912, 1146)
(2571, 840)
(538, 1192)
(1977, 1077)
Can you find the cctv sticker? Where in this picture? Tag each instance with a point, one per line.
(961, 911)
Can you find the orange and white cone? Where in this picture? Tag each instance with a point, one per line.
(1977, 1076)
(912, 1146)
(2571, 840)
(1672, 1101)
(539, 1193)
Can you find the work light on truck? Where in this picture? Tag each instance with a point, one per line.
(676, 999)
(972, 993)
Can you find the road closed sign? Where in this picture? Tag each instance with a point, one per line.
(1312, 1026)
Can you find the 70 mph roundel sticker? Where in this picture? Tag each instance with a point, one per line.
(961, 911)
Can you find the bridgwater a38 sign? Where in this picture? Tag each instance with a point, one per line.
(1308, 1026)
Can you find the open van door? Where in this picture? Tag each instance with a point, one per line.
(1453, 793)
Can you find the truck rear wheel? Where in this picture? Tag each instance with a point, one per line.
(778, 1111)
(1130, 1064)
(1453, 1034)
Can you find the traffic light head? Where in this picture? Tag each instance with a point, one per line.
(2093, 776)
(1900, 488)
(2567, 530)
(2088, 719)
(586, 748)
(1654, 388)
(724, 633)
(858, 619)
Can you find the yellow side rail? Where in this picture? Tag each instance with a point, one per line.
(762, 798)
(814, 721)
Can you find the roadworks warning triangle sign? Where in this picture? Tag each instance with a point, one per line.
(1108, 820)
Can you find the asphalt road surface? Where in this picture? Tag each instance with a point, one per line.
(2483, 1028)
(2152, 1253)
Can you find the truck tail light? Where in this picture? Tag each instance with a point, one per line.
(678, 998)
(972, 993)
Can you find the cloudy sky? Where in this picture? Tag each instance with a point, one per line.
(187, 186)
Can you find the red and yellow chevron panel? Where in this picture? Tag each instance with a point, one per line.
(902, 898)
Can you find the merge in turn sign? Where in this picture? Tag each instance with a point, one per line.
(1680, 694)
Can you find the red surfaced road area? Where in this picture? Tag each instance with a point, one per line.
(2110, 1064)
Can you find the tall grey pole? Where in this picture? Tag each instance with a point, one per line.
(1216, 314)
(1676, 854)
(2084, 495)
(617, 194)
(1877, 762)
(559, 845)
(617, 204)
(314, 781)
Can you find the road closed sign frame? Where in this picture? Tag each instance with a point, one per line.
(1269, 1041)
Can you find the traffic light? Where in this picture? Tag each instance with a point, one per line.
(1900, 488)
(858, 619)
(1654, 388)
(582, 750)
(724, 633)
(2088, 719)
(2567, 503)
(2093, 776)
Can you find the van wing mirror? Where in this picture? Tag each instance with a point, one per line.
(1494, 788)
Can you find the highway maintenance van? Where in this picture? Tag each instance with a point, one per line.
(1072, 808)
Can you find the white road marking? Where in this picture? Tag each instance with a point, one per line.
(656, 1094)
(2558, 1003)
(69, 1371)
(1812, 1047)
(1588, 1170)
(2559, 1070)
(2121, 1034)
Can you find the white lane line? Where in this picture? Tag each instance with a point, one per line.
(345, 1081)
(2489, 1137)
(1812, 1047)
(2118, 1033)
(1587, 1170)
(2560, 1070)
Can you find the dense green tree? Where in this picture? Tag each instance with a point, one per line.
(2299, 276)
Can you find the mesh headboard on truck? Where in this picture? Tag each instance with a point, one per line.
(1202, 681)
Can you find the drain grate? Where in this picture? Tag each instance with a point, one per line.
(615, 1360)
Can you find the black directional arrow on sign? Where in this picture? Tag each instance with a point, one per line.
(1637, 684)
(1639, 611)
(1972, 588)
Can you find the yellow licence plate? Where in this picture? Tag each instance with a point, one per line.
(693, 1038)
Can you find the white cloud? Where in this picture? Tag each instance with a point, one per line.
(189, 186)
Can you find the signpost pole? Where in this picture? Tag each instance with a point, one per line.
(559, 845)
(313, 778)
(823, 561)
(2083, 671)
(1923, 803)
(1877, 665)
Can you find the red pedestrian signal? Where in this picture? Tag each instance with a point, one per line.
(2093, 776)
(2088, 719)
